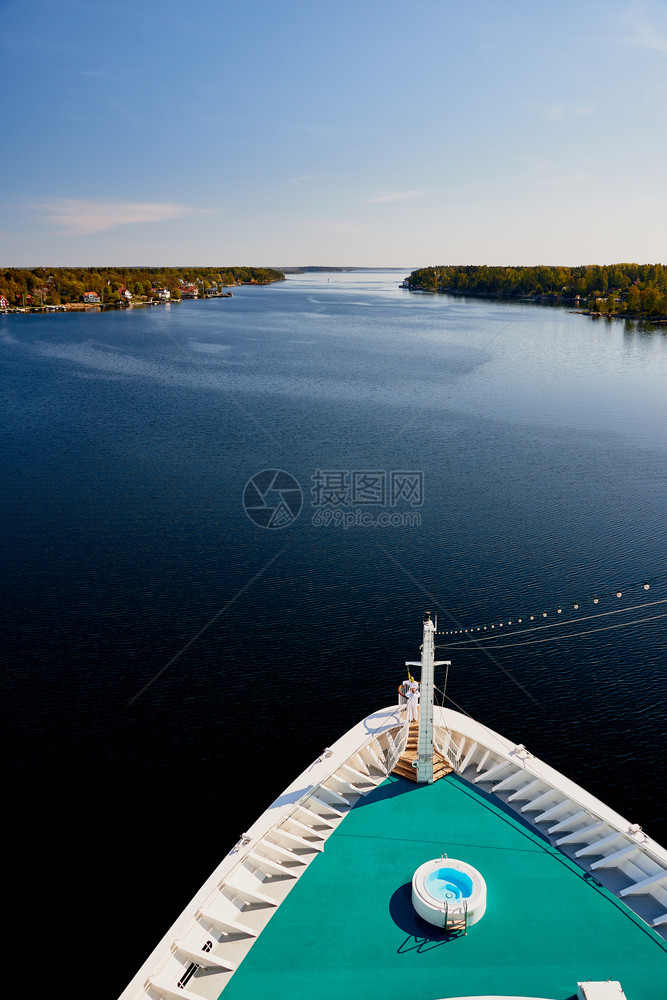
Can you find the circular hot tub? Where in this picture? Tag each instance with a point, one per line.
(447, 892)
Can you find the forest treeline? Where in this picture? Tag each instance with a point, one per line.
(624, 289)
(61, 285)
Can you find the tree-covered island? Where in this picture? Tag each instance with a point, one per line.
(634, 291)
(40, 288)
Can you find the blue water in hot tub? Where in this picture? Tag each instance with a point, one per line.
(448, 884)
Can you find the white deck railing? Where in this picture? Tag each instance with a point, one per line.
(397, 745)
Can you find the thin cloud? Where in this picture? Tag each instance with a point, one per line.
(560, 181)
(648, 38)
(77, 217)
(336, 226)
(394, 196)
(643, 31)
(560, 112)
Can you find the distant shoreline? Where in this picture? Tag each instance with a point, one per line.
(615, 291)
(106, 306)
(76, 289)
(85, 307)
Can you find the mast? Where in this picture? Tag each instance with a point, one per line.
(427, 664)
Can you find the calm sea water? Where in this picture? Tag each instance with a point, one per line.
(170, 665)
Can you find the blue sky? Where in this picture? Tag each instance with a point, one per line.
(366, 133)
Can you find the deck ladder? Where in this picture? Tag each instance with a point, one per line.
(457, 924)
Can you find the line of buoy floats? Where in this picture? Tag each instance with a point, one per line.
(538, 616)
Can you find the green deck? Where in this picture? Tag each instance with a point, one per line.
(348, 929)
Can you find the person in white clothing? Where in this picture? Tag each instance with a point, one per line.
(412, 694)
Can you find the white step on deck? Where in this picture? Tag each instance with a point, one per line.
(161, 987)
(224, 923)
(204, 959)
(646, 884)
